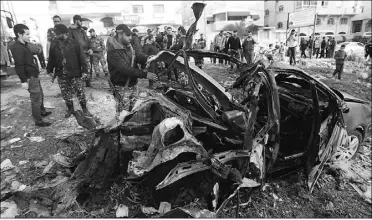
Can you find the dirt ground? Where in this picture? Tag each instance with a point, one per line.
(287, 197)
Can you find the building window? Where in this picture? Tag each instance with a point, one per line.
(318, 21)
(266, 12)
(137, 9)
(343, 20)
(158, 9)
(324, 3)
(280, 25)
(236, 18)
(281, 8)
(331, 21)
(305, 4)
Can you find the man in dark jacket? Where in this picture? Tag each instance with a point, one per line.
(122, 63)
(340, 57)
(77, 32)
(136, 42)
(122, 59)
(303, 46)
(234, 46)
(248, 48)
(323, 47)
(28, 71)
(68, 61)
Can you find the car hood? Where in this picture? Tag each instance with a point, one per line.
(350, 98)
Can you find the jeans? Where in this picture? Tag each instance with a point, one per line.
(316, 51)
(292, 55)
(322, 53)
(249, 56)
(339, 69)
(37, 98)
(217, 49)
(303, 52)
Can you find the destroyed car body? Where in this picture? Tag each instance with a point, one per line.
(189, 138)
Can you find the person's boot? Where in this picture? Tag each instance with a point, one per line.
(84, 108)
(70, 110)
(46, 113)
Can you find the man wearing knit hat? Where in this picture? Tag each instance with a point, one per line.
(68, 61)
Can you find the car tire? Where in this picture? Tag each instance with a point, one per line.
(356, 138)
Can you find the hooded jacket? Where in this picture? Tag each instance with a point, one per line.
(81, 37)
(122, 62)
(75, 62)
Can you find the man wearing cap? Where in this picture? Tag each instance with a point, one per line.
(68, 61)
(77, 32)
(99, 48)
(122, 63)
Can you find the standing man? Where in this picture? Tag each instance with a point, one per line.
(332, 46)
(170, 39)
(122, 62)
(218, 45)
(340, 57)
(310, 46)
(68, 61)
(99, 49)
(77, 32)
(51, 34)
(291, 44)
(28, 71)
(225, 50)
(248, 48)
(322, 48)
(202, 42)
(234, 46)
(303, 46)
(316, 47)
(136, 42)
(159, 39)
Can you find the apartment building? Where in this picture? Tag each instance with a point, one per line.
(333, 17)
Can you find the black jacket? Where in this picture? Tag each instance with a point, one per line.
(150, 49)
(234, 43)
(81, 37)
(74, 55)
(323, 44)
(25, 63)
(122, 64)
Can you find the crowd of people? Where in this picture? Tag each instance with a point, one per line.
(72, 56)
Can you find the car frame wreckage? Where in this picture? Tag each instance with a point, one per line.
(197, 139)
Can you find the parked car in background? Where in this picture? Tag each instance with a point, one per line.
(367, 35)
(352, 47)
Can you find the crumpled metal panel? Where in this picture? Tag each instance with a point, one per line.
(159, 152)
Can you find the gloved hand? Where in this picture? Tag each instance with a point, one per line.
(25, 85)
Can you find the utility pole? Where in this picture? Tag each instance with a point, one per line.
(312, 45)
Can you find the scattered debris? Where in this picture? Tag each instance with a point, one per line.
(17, 186)
(164, 207)
(9, 209)
(9, 142)
(41, 211)
(6, 165)
(23, 162)
(6, 132)
(48, 105)
(63, 160)
(149, 210)
(122, 211)
(330, 206)
(41, 164)
(15, 146)
(36, 139)
(47, 168)
(366, 195)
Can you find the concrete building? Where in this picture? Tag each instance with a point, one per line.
(218, 14)
(362, 21)
(105, 15)
(333, 17)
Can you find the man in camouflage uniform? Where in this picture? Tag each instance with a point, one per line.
(98, 47)
(51, 34)
(68, 61)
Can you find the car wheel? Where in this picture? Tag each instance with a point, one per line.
(355, 139)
